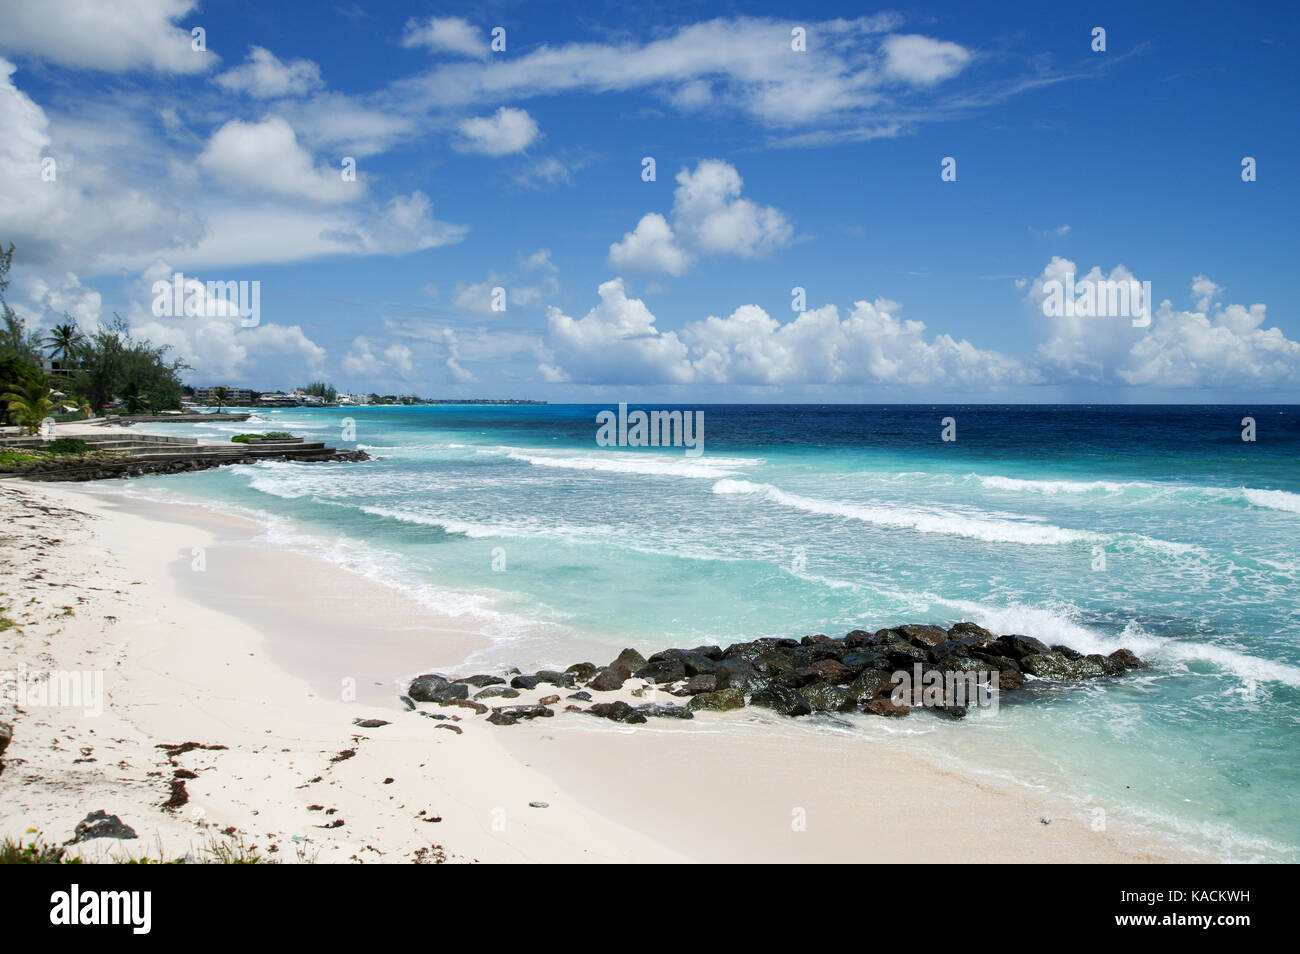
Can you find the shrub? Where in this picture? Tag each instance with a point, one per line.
(12, 458)
(35, 852)
(271, 435)
(68, 445)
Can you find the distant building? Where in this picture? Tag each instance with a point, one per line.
(233, 395)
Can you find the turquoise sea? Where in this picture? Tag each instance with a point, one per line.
(1156, 528)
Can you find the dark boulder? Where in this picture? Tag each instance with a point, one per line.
(738, 674)
(629, 659)
(656, 711)
(884, 706)
(524, 682)
(903, 655)
(1018, 647)
(697, 684)
(1094, 666)
(1067, 652)
(860, 638)
(1127, 658)
(434, 688)
(101, 825)
(825, 697)
(794, 678)
(869, 684)
(721, 701)
(966, 630)
(692, 662)
(752, 650)
(610, 678)
(861, 659)
(1048, 665)
(1000, 663)
(781, 699)
(958, 646)
(582, 672)
(478, 682)
(665, 670)
(1009, 679)
(497, 692)
(772, 661)
(509, 715)
(580, 695)
(833, 671)
(553, 678)
(478, 707)
(927, 637)
(617, 712)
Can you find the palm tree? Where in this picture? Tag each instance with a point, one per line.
(135, 398)
(63, 341)
(220, 395)
(31, 404)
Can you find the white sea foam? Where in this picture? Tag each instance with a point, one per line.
(975, 527)
(1273, 499)
(646, 464)
(1059, 623)
(1266, 499)
(1020, 485)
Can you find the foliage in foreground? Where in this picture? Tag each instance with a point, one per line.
(269, 435)
(67, 445)
(231, 851)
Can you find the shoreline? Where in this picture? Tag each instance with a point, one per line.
(252, 651)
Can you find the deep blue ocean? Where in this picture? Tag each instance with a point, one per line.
(1156, 528)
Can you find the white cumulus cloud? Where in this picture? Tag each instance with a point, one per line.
(266, 156)
(446, 35)
(709, 217)
(264, 76)
(506, 131)
(110, 35)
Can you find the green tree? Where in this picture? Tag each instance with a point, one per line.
(15, 342)
(63, 341)
(322, 390)
(31, 404)
(220, 395)
(112, 364)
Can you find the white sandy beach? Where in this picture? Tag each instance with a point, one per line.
(258, 653)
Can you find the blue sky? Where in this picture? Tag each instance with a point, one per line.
(775, 168)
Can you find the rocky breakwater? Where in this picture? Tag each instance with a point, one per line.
(884, 673)
(101, 465)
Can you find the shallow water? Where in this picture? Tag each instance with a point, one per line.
(1156, 528)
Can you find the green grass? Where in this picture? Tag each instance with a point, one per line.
(232, 851)
(12, 458)
(68, 445)
(272, 435)
(35, 852)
